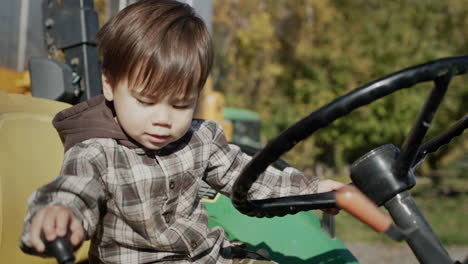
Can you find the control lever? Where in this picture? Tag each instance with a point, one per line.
(353, 201)
(357, 204)
(60, 248)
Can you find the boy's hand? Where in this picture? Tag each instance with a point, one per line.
(328, 186)
(54, 221)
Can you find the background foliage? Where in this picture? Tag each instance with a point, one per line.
(285, 59)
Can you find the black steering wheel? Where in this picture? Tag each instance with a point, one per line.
(440, 71)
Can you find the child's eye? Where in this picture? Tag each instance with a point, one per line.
(184, 106)
(144, 102)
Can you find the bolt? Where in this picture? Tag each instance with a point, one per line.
(49, 22)
(75, 61)
(76, 79)
(50, 41)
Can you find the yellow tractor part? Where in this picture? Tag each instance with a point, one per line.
(14, 82)
(31, 155)
(211, 106)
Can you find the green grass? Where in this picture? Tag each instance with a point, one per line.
(447, 215)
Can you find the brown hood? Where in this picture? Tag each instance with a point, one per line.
(90, 119)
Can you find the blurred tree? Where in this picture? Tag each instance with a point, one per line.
(285, 59)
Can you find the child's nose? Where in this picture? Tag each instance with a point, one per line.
(161, 116)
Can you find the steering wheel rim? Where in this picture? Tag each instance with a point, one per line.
(437, 70)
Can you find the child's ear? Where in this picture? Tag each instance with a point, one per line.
(107, 88)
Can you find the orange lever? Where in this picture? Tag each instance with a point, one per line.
(357, 204)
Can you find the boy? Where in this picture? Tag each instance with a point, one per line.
(134, 157)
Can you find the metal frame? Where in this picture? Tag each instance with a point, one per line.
(68, 27)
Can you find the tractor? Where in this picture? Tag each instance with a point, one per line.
(284, 227)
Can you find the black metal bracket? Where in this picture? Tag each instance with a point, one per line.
(70, 27)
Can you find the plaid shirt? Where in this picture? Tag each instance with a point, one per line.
(140, 206)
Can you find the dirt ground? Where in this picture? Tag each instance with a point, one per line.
(368, 253)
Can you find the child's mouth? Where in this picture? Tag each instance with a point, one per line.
(157, 138)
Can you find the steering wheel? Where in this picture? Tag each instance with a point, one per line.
(440, 71)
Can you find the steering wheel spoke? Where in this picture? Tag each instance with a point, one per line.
(295, 204)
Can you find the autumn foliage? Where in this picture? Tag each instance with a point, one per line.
(285, 59)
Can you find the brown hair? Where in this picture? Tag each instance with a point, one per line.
(160, 45)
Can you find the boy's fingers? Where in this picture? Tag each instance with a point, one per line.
(77, 233)
(49, 225)
(61, 222)
(35, 231)
(328, 185)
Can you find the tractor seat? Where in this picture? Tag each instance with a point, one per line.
(31, 155)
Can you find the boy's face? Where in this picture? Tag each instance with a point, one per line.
(153, 124)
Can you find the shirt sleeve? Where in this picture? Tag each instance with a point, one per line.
(227, 161)
(79, 187)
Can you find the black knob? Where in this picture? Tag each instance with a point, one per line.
(61, 249)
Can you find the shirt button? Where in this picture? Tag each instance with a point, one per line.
(193, 244)
(172, 185)
(167, 218)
